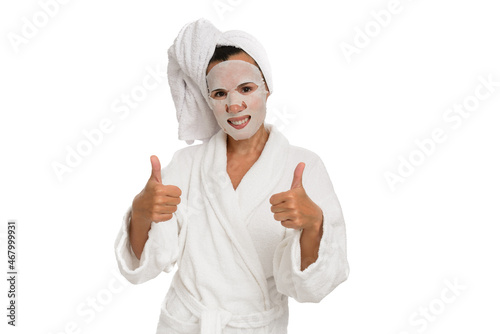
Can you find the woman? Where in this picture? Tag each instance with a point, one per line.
(259, 220)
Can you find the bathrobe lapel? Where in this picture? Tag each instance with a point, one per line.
(262, 178)
(233, 208)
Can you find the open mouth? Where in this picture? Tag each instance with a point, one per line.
(240, 123)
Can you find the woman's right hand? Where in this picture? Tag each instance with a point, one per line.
(156, 202)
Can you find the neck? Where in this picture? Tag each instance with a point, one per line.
(252, 145)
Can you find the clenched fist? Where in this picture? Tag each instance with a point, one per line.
(156, 202)
(294, 208)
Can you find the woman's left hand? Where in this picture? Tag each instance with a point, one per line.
(294, 208)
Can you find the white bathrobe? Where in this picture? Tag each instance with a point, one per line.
(237, 265)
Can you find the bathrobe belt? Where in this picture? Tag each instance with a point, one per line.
(212, 321)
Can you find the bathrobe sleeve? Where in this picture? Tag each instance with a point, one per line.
(161, 249)
(331, 268)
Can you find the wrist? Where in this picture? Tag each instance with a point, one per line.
(317, 226)
(138, 221)
(314, 232)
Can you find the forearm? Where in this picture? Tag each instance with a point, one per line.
(138, 232)
(309, 245)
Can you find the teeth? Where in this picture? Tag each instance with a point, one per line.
(240, 122)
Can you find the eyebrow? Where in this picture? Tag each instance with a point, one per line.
(242, 84)
(246, 83)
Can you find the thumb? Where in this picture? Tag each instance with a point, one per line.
(297, 175)
(155, 169)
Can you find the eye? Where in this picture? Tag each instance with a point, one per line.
(248, 88)
(218, 95)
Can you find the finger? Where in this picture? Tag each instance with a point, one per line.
(289, 224)
(282, 207)
(279, 198)
(169, 190)
(173, 191)
(297, 175)
(155, 168)
(164, 209)
(167, 200)
(281, 216)
(157, 218)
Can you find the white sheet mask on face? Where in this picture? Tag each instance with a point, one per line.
(236, 89)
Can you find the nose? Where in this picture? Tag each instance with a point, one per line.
(235, 104)
(235, 108)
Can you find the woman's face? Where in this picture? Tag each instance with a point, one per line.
(237, 95)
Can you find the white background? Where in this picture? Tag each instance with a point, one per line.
(404, 244)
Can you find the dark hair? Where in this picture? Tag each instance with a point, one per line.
(223, 52)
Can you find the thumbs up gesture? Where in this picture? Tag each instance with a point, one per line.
(156, 202)
(294, 208)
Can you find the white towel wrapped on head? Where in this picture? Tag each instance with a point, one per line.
(188, 59)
